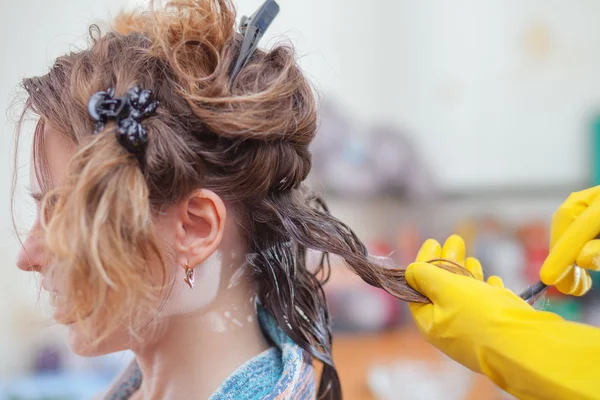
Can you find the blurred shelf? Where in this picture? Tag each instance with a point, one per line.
(470, 194)
(529, 191)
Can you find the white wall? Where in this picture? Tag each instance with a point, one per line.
(481, 82)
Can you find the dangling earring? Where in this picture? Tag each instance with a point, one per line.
(189, 276)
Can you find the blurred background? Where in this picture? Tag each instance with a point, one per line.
(437, 117)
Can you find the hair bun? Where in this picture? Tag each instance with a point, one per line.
(270, 98)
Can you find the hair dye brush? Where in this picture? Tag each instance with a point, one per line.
(534, 292)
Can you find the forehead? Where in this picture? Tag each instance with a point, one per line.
(50, 160)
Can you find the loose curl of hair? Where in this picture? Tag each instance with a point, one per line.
(246, 140)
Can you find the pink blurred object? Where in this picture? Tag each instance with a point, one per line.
(409, 242)
(534, 237)
(380, 248)
(356, 161)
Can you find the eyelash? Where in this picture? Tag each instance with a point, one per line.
(36, 197)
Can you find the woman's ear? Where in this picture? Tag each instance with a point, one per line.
(200, 225)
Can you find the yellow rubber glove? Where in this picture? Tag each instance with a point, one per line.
(575, 225)
(528, 353)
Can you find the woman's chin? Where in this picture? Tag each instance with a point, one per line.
(80, 343)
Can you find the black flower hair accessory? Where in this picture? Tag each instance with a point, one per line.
(128, 111)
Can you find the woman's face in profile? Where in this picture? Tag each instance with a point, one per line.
(32, 257)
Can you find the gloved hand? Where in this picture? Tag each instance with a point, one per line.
(573, 249)
(530, 354)
(444, 322)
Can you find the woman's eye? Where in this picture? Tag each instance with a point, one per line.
(48, 205)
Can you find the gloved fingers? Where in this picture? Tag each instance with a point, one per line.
(589, 282)
(569, 210)
(568, 283)
(576, 283)
(454, 250)
(580, 284)
(585, 284)
(495, 281)
(589, 256)
(429, 280)
(474, 267)
(430, 250)
(568, 246)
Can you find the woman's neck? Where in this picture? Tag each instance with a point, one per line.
(198, 351)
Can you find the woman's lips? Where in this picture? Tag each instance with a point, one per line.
(59, 303)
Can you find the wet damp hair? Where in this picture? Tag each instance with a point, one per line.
(247, 140)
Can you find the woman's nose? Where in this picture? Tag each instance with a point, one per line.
(30, 256)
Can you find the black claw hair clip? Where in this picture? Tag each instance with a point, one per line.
(128, 111)
(253, 28)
